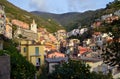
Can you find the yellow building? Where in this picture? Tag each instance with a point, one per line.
(33, 52)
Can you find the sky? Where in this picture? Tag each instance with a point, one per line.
(60, 6)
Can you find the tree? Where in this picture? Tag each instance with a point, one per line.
(20, 67)
(112, 51)
(75, 69)
(43, 72)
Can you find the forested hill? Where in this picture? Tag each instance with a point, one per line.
(74, 19)
(14, 12)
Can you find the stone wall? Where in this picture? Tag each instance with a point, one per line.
(4, 67)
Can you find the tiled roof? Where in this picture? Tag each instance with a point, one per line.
(88, 59)
(83, 50)
(56, 55)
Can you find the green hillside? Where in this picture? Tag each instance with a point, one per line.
(14, 12)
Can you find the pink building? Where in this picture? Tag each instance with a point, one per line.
(20, 24)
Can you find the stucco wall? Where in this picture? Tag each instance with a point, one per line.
(4, 67)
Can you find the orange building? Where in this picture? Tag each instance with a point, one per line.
(8, 30)
(83, 50)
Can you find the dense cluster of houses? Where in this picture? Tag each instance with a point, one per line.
(40, 47)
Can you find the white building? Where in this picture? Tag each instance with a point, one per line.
(106, 16)
(117, 13)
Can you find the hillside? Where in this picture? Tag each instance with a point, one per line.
(74, 19)
(62, 19)
(14, 12)
(71, 20)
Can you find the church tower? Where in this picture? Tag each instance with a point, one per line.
(33, 26)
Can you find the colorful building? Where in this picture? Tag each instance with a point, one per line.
(61, 35)
(2, 20)
(8, 30)
(33, 52)
(20, 24)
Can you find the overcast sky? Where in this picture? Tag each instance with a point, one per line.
(60, 6)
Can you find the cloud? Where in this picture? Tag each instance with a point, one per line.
(38, 4)
(62, 6)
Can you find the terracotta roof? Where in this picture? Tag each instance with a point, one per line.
(56, 55)
(83, 50)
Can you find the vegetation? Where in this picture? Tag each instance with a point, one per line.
(75, 70)
(74, 19)
(20, 67)
(112, 52)
(115, 5)
(14, 12)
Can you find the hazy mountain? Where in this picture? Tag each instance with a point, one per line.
(68, 19)
(60, 18)
(74, 19)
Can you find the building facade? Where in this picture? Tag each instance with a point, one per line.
(33, 52)
(2, 20)
(8, 30)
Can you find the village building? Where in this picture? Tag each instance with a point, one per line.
(54, 58)
(51, 62)
(33, 52)
(20, 24)
(117, 13)
(96, 24)
(61, 35)
(111, 19)
(2, 20)
(8, 31)
(23, 30)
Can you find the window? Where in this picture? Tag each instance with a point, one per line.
(25, 49)
(36, 50)
(39, 60)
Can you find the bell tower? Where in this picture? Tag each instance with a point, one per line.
(33, 26)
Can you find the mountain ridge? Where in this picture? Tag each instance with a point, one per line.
(74, 20)
(66, 19)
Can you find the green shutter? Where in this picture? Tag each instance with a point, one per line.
(25, 49)
(36, 50)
